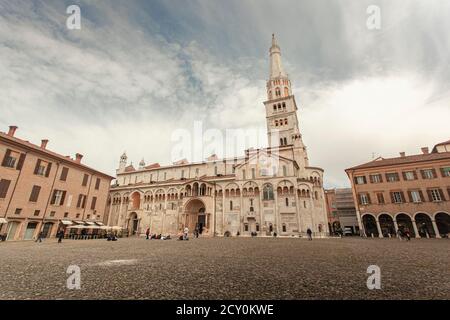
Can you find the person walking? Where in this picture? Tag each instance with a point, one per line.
(147, 233)
(399, 234)
(60, 235)
(185, 233)
(309, 233)
(40, 236)
(407, 234)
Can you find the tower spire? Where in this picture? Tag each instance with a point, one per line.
(276, 68)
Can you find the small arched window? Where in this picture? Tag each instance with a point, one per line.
(231, 205)
(276, 123)
(285, 141)
(257, 227)
(284, 227)
(281, 141)
(287, 202)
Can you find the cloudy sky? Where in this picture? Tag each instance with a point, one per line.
(139, 70)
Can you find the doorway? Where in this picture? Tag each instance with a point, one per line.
(29, 232)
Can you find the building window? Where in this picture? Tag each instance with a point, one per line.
(66, 214)
(42, 168)
(36, 212)
(85, 180)
(88, 216)
(18, 211)
(35, 193)
(93, 203)
(415, 196)
(436, 195)
(97, 184)
(360, 180)
(231, 205)
(409, 175)
(64, 173)
(52, 213)
(364, 199)
(268, 192)
(287, 202)
(4, 186)
(182, 174)
(58, 197)
(284, 227)
(428, 174)
(77, 215)
(246, 227)
(81, 201)
(257, 227)
(380, 198)
(445, 172)
(165, 176)
(397, 197)
(392, 177)
(376, 178)
(13, 159)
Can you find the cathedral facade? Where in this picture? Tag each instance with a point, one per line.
(265, 192)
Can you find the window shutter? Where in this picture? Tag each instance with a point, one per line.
(371, 178)
(354, 179)
(368, 199)
(434, 173)
(79, 201)
(359, 199)
(53, 197)
(35, 193)
(21, 161)
(63, 197)
(36, 168)
(392, 198)
(94, 201)
(5, 158)
(415, 175)
(441, 194)
(49, 167)
(381, 177)
(402, 194)
(4, 186)
(84, 202)
(404, 176)
(97, 184)
(410, 196)
(422, 198)
(430, 196)
(423, 174)
(448, 191)
(64, 173)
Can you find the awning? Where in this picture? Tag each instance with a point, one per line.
(79, 222)
(99, 223)
(79, 226)
(90, 223)
(66, 222)
(3, 220)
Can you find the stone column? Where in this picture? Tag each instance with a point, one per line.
(223, 211)
(241, 206)
(275, 194)
(380, 234)
(415, 228)
(395, 226)
(436, 230)
(260, 209)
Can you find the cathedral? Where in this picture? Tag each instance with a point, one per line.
(264, 192)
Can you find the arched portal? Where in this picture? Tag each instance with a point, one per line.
(386, 225)
(405, 224)
(424, 226)
(133, 224)
(443, 223)
(195, 216)
(370, 225)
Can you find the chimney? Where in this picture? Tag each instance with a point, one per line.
(78, 158)
(425, 150)
(12, 130)
(402, 154)
(44, 143)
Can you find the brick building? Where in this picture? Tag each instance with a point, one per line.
(41, 190)
(341, 210)
(410, 192)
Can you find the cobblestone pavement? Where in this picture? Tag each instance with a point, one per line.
(226, 268)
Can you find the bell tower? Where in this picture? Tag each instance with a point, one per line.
(281, 109)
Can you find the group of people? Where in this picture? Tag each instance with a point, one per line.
(59, 236)
(404, 233)
(150, 236)
(182, 236)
